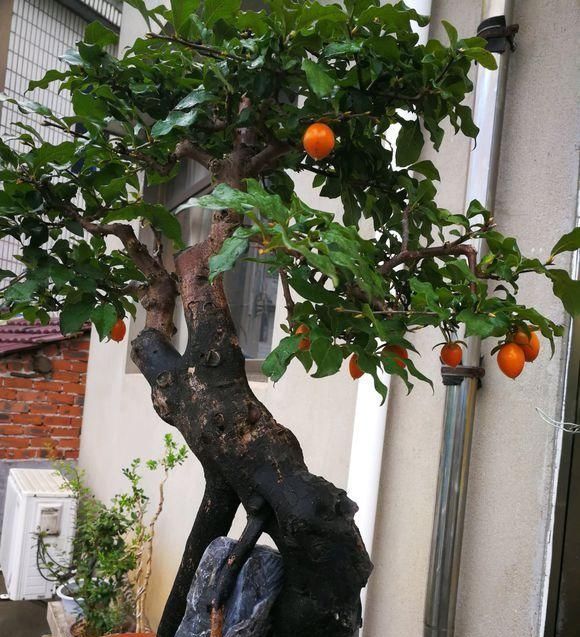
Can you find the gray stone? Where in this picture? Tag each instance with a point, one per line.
(248, 609)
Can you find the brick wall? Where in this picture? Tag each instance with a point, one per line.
(40, 412)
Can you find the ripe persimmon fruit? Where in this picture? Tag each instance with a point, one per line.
(399, 352)
(304, 344)
(355, 371)
(530, 344)
(511, 359)
(451, 354)
(318, 140)
(118, 331)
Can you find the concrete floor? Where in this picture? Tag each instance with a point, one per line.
(22, 619)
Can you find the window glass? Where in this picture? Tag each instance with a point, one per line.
(250, 289)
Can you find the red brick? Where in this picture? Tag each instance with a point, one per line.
(47, 385)
(70, 410)
(34, 430)
(15, 407)
(73, 388)
(61, 365)
(67, 376)
(21, 383)
(27, 419)
(11, 441)
(4, 417)
(6, 430)
(68, 443)
(58, 432)
(30, 396)
(8, 394)
(23, 453)
(78, 355)
(71, 454)
(44, 408)
(39, 443)
(14, 366)
(58, 421)
(55, 397)
(78, 366)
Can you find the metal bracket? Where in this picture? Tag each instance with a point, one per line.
(498, 34)
(455, 375)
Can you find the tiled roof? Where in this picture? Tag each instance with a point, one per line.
(18, 334)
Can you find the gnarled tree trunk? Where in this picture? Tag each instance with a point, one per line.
(250, 458)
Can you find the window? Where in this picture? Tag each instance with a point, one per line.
(250, 289)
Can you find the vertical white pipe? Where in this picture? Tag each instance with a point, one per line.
(370, 418)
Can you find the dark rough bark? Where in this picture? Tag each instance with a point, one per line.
(205, 394)
(247, 456)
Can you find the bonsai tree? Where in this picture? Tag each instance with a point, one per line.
(236, 91)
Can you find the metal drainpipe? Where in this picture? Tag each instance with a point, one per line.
(461, 384)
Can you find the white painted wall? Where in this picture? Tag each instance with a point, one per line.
(512, 452)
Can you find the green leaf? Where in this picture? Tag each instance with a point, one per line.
(328, 357)
(74, 315)
(175, 118)
(156, 214)
(215, 10)
(482, 56)
(198, 96)
(96, 33)
(451, 33)
(409, 143)
(182, 10)
(233, 248)
(318, 79)
(49, 77)
(568, 243)
(21, 291)
(338, 49)
(88, 106)
(103, 318)
(483, 325)
(27, 106)
(71, 57)
(426, 168)
(567, 290)
(468, 126)
(279, 358)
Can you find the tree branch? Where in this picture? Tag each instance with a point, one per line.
(188, 150)
(287, 293)
(202, 49)
(266, 158)
(436, 251)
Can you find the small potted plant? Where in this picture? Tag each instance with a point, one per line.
(107, 580)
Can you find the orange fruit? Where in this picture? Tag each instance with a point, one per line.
(399, 352)
(511, 359)
(529, 344)
(353, 368)
(451, 354)
(304, 344)
(118, 331)
(318, 140)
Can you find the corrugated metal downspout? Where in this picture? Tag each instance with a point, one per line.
(442, 583)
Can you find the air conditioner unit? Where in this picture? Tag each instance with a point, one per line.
(37, 501)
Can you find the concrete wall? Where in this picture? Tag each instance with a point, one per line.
(511, 471)
(501, 578)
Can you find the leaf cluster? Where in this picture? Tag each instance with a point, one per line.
(210, 74)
